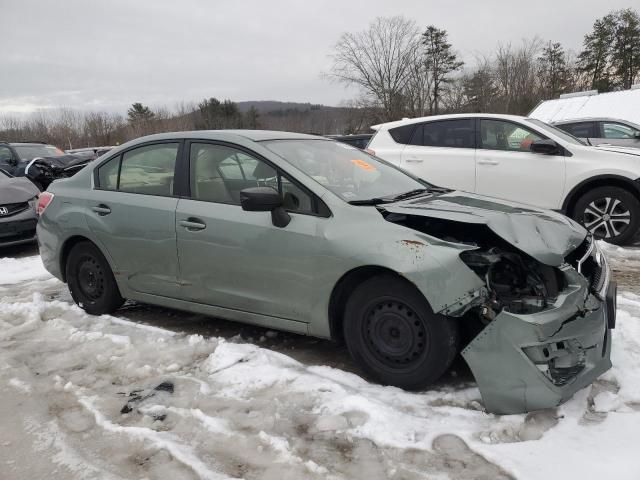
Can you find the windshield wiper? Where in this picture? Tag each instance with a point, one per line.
(395, 198)
(369, 201)
(411, 193)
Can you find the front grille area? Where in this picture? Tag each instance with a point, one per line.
(12, 209)
(17, 230)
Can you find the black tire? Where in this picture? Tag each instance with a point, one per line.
(91, 280)
(393, 334)
(610, 213)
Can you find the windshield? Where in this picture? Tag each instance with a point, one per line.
(29, 152)
(567, 137)
(350, 173)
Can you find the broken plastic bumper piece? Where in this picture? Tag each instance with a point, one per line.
(525, 362)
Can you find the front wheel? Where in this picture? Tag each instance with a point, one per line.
(91, 280)
(393, 334)
(609, 213)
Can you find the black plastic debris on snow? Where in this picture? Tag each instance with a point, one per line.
(138, 396)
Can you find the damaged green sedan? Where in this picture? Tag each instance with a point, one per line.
(305, 234)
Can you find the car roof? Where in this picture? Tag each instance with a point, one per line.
(453, 116)
(591, 119)
(254, 135)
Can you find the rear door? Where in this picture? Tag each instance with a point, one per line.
(443, 153)
(239, 260)
(507, 169)
(132, 212)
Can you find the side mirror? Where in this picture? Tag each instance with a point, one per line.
(546, 147)
(265, 199)
(636, 135)
(12, 161)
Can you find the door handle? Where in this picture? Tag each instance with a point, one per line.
(486, 161)
(415, 160)
(193, 224)
(101, 209)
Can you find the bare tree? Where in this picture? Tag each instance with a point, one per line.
(379, 61)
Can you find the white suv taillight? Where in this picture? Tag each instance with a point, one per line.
(43, 202)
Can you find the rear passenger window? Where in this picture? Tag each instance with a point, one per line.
(147, 170)
(446, 133)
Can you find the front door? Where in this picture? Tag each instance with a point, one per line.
(507, 169)
(443, 153)
(132, 213)
(239, 260)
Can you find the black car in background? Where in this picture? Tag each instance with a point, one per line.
(39, 162)
(18, 198)
(359, 140)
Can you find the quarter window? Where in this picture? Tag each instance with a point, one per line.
(500, 135)
(447, 133)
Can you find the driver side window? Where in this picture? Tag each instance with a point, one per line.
(218, 174)
(501, 135)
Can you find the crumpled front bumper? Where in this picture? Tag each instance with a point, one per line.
(529, 362)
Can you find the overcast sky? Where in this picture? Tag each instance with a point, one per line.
(104, 55)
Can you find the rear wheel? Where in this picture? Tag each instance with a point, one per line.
(91, 280)
(609, 213)
(393, 334)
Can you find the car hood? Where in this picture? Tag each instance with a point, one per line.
(16, 190)
(63, 161)
(545, 235)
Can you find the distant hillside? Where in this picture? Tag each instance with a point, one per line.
(268, 106)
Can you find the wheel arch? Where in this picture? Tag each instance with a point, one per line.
(632, 186)
(343, 288)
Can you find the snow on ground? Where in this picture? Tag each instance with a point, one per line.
(107, 397)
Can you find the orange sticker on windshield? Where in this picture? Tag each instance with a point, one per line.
(363, 165)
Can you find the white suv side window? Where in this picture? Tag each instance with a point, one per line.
(501, 135)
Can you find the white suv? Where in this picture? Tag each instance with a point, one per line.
(524, 160)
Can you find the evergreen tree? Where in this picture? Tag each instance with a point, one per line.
(625, 55)
(440, 60)
(595, 58)
(139, 113)
(554, 74)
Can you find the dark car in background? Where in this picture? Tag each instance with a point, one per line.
(90, 153)
(39, 162)
(359, 140)
(18, 197)
(597, 131)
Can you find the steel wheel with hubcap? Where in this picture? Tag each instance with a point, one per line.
(393, 334)
(609, 213)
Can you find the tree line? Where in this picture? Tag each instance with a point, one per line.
(402, 70)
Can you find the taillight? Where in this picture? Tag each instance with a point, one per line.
(370, 151)
(43, 202)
